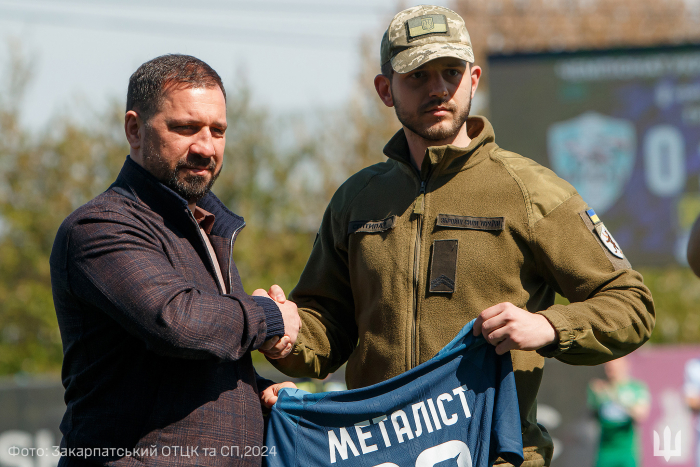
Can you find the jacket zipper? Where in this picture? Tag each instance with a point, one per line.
(211, 260)
(230, 259)
(418, 211)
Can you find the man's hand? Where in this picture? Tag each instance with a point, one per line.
(279, 348)
(511, 328)
(269, 396)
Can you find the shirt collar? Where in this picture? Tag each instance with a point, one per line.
(205, 219)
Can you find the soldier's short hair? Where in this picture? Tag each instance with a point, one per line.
(148, 84)
(387, 70)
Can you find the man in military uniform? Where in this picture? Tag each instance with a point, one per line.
(453, 228)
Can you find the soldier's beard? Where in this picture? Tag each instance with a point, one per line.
(435, 131)
(188, 186)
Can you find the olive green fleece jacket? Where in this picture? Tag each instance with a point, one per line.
(403, 260)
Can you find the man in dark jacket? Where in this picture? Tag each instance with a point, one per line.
(156, 327)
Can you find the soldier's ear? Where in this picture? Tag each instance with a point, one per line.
(383, 86)
(475, 74)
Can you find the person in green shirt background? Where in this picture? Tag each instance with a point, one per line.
(620, 404)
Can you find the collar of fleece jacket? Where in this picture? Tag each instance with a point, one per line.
(446, 158)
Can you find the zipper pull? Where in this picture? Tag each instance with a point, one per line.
(420, 201)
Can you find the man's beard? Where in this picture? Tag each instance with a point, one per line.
(190, 187)
(434, 132)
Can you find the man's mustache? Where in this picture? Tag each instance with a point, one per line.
(195, 162)
(436, 103)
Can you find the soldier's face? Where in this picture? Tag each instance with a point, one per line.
(434, 100)
(184, 141)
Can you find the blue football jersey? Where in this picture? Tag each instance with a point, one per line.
(458, 409)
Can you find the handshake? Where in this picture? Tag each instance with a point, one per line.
(281, 347)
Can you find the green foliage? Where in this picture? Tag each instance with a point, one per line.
(43, 178)
(676, 293)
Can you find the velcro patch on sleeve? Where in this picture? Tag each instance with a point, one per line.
(371, 226)
(471, 223)
(605, 239)
(426, 24)
(443, 267)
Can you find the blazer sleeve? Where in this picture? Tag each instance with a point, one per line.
(117, 266)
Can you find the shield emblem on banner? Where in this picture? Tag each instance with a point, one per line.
(594, 153)
(427, 24)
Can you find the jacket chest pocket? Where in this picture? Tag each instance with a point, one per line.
(450, 230)
(373, 246)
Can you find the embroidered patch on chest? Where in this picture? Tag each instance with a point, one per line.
(471, 223)
(371, 226)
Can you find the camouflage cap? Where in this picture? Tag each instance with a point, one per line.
(423, 33)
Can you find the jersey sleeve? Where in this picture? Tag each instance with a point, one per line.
(611, 311)
(506, 438)
(280, 439)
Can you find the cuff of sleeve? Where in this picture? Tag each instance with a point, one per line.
(563, 328)
(273, 316)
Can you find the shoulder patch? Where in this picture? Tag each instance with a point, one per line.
(608, 241)
(593, 216)
(605, 239)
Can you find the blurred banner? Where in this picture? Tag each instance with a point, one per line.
(562, 409)
(668, 436)
(31, 409)
(622, 126)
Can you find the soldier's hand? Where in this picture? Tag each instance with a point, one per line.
(511, 328)
(292, 324)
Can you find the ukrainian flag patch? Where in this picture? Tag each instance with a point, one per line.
(426, 24)
(593, 216)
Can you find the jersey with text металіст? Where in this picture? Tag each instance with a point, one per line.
(458, 409)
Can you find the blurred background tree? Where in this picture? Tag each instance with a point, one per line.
(44, 175)
(280, 172)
